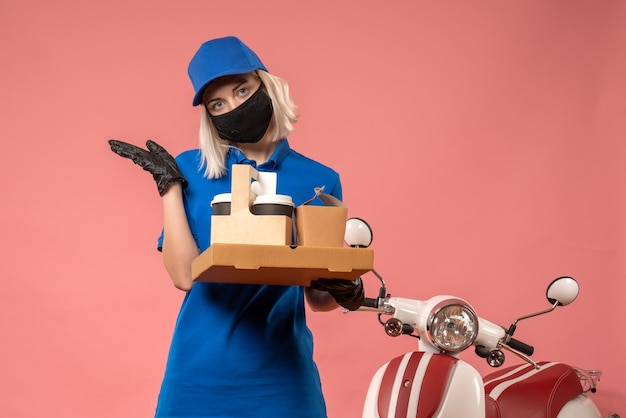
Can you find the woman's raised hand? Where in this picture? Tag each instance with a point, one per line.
(156, 160)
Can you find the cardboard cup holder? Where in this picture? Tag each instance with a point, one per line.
(240, 225)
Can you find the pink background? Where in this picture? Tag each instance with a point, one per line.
(482, 140)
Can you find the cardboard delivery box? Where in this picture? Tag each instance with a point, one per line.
(279, 265)
(321, 226)
(252, 241)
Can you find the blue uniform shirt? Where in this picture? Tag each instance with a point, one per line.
(243, 350)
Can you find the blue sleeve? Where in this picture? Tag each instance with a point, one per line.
(160, 242)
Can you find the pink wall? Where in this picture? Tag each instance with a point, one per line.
(483, 140)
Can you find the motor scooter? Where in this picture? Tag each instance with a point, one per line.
(434, 382)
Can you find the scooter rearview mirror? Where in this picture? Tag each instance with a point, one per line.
(562, 291)
(358, 233)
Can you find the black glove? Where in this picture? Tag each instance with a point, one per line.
(347, 293)
(157, 161)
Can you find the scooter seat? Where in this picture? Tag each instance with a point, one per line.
(525, 392)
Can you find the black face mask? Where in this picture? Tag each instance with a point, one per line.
(248, 122)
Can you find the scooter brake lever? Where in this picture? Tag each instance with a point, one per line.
(521, 355)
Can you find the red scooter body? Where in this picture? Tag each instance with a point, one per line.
(425, 385)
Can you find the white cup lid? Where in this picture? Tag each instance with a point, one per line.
(221, 198)
(275, 199)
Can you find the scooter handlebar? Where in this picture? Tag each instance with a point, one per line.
(521, 347)
(370, 303)
(489, 336)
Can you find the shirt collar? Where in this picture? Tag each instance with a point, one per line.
(235, 156)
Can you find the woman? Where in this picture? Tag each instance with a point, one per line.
(237, 350)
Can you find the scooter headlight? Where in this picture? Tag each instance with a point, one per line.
(452, 325)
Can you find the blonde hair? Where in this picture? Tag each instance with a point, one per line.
(214, 149)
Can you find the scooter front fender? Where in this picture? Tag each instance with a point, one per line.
(425, 385)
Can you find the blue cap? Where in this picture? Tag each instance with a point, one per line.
(217, 58)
